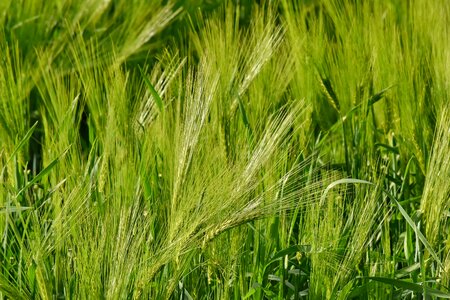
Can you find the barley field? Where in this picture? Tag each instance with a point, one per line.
(207, 149)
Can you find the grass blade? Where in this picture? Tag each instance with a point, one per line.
(21, 144)
(410, 286)
(153, 91)
(41, 174)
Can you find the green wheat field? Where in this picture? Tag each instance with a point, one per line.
(207, 149)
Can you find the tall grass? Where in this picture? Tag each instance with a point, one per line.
(208, 150)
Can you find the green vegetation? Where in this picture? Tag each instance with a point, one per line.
(201, 150)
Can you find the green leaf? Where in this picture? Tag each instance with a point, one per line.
(417, 231)
(245, 118)
(291, 250)
(153, 91)
(378, 96)
(250, 293)
(338, 182)
(21, 144)
(41, 174)
(13, 209)
(410, 286)
(407, 270)
(387, 147)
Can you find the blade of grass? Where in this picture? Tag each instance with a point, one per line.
(410, 286)
(41, 174)
(153, 91)
(20, 144)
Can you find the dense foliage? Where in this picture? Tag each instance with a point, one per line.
(240, 150)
